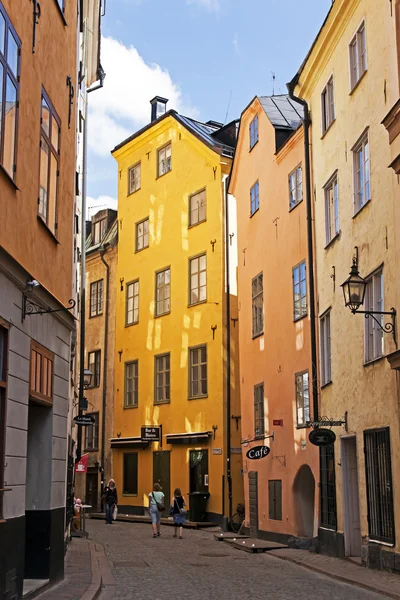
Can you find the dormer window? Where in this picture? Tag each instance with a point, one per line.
(99, 230)
(253, 130)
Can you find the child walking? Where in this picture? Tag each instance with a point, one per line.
(178, 512)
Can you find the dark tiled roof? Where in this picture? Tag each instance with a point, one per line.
(283, 112)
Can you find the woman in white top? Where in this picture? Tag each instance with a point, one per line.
(156, 506)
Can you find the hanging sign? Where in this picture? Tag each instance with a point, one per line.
(258, 452)
(322, 437)
(149, 434)
(85, 420)
(82, 465)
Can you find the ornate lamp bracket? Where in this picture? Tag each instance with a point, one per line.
(385, 327)
(29, 307)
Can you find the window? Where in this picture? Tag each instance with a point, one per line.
(3, 398)
(130, 476)
(9, 92)
(131, 384)
(134, 179)
(142, 235)
(132, 303)
(99, 231)
(162, 376)
(164, 160)
(328, 105)
(374, 302)
(254, 198)
(378, 471)
(96, 298)
(198, 371)
(331, 209)
(92, 434)
(300, 290)
(197, 208)
(302, 398)
(163, 292)
(41, 377)
(253, 129)
(358, 55)
(259, 427)
(257, 300)
(94, 367)
(49, 163)
(327, 486)
(198, 279)
(275, 499)
(361, 168)
(295, 187)
(325, 325)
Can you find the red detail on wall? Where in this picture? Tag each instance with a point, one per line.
(278, 422)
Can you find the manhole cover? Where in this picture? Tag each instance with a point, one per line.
(215, 555)
(130, 564)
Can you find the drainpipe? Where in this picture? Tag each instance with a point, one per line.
(306, 126)
(228, 353)
(105, 353)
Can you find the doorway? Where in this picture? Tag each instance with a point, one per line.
(352, 529)
(304, 496)
(162, 475)
(198, 477)
(253, 503)
(92, 487)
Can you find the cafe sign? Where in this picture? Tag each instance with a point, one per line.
(322, 437)
(258, 452)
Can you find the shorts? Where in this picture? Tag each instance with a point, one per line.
(155, 514)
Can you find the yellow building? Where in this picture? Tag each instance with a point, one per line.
(349, 81)
(171, 315)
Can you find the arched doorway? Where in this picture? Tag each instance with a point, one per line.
(304, 494)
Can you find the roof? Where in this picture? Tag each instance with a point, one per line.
(111, 233)
(205, 132)
(282, 112)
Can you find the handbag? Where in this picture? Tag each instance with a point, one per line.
(182, 511)
(160, 505)
(115, 513)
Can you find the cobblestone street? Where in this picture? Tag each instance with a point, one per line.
(199, 568)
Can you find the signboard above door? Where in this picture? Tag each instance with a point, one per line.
(322, 437)
(85, 420)
(150, 434)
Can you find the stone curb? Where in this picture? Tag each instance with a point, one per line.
(343, 579)
(94, 588)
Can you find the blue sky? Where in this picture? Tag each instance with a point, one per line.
(201, 54)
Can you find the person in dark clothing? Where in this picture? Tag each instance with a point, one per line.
(110, 498)
(178, 512)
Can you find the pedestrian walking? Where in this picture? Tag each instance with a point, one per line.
(178, 512)
(110, 499)
(156, 507)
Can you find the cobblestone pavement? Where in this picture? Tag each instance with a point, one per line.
(199, 568)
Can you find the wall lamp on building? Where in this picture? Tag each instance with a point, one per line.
(87, 378)
(354, 289)
(29, 307)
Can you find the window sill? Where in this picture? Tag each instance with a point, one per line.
(130, 496)
(327, 384)
(161, 403)
(164, 174)
(130, 407)
(253, 213)
(95, 316)
(374, 360)
(257, 335)
(131, 324)
(253, 146)
(61, 13)
(295, 205)
(355, 86)
(93, 387)
(333, 240)
(303, 426)
(162, 314)
(9, 178)
(200, 397)
(141, 249)
(197, 303)
(195, 224)
(361, 209)
(382, 542)
(328, 128)
(297, 319)
(133, 192)
(47, 228)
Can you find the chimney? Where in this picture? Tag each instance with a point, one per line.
(158, 107)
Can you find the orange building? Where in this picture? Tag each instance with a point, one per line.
(274, 325)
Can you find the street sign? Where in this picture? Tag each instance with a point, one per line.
(258, 452)
(85, 420)
(322, 437)
(150, 434)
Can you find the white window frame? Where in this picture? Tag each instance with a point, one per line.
(295, 180)
(132, 303)
(131, 374)
(142, 239)
(302, 408)
(253, 132)
(361, 176)
(257, 305)
(328, 105)
(197, 214)
(358, 55)
(259, 410)
(134, 178)
(374, 301)
(254, 198)
(300, 301)
(162, 378)
(325, 347)
(198, 279)
(331, 193)
(163, 292)
(164, 161)
(195, 367)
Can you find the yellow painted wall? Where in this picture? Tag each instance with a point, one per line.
(367, 392)
(165, 201)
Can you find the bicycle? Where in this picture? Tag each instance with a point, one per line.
(237, 519)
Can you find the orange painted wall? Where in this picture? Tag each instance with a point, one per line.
(24, 237)
(273, 241)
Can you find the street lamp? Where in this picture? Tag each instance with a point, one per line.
(354, 289)
(87, 378)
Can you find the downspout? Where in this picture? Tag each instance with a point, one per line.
(313, 333)
(228, 353)
(105, 353)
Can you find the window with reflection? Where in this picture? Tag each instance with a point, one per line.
(49, 163)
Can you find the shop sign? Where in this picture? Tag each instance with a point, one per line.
(322, 437)
(150, 434)
(85, 420)
(217, 450)
(82, 465)
(258, 452)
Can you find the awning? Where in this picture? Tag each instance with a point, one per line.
(128, 442)
(197, 437)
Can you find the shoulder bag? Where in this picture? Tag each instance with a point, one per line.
(160, 505)
(182, 511)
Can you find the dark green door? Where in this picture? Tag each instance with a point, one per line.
(162, 475)
(198, 471)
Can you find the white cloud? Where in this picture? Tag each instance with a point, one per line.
(100, 203)
(122, 106)
(211, 5)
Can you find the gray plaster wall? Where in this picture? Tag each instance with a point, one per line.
(39, 483)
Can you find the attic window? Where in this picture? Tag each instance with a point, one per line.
(253, 128)
(99, 230)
